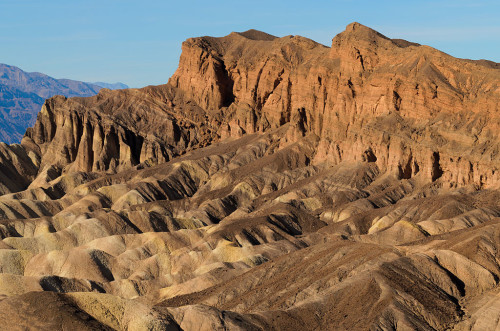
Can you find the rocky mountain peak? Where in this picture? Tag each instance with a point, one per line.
(257, 35)
(362, 45)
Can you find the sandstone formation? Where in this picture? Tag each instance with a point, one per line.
(272, 184)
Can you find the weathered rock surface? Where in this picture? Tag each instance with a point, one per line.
(409, 108)
(273, 183)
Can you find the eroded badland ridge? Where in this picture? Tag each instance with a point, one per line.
(273, 183)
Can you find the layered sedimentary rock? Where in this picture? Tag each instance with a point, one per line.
(115, 130)
(273, 183)
(410, 107)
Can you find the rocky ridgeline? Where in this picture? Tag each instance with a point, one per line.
(413, 110)
(409, 108)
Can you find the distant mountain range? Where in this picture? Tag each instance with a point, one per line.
(114, 86)
(23, 93)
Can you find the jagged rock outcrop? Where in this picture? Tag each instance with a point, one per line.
(116, 130)
(409, 108)
(273, 183)
(417, 110)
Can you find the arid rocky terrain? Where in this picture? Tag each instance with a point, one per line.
(271, 184)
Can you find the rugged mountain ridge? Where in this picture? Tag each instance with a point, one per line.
(44, 85)
(429, 109)
(112, 86)
(273, 183)
(418, 96)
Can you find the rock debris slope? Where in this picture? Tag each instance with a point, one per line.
(273, 183)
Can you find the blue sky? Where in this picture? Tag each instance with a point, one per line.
(139, 42)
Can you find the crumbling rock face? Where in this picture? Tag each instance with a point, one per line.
(116, 130)
(365, 92)
(273, 183)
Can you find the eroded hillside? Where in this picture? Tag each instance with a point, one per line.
(273, 183)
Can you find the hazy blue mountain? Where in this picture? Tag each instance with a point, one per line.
(22, 95)
(43, 85)
(18, 111)
(114, 86)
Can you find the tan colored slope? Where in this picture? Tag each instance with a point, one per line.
(266, 239)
